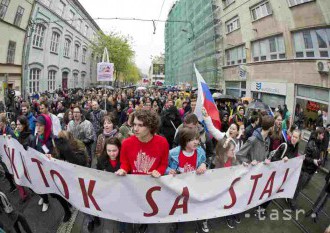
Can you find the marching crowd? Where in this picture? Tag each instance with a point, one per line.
(155, 132)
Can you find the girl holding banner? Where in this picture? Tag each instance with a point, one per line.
(110, 161)
(187, 157)
(226, 157)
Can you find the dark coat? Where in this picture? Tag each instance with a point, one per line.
(325, 142)
(104, 164)
(167, 129)
(49, 145)
(312, 151)
(249, 131)
(26, 139)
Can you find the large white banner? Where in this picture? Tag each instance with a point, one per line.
(143, 199)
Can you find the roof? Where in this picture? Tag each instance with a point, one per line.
(78, 4)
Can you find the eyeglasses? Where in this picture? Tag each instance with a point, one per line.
(76, 112)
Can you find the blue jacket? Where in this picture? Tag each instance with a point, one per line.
(9, 131)
(32, 124)
(173, 158)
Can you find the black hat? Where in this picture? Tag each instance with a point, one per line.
(41, 120)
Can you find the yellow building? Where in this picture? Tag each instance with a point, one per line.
(14, 18)
(277, 51)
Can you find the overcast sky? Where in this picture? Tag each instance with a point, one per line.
(145, 43)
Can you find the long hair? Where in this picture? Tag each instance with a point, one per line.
(68, 136)
(277, 133)
(66, 116)
(24, 122)
(221, 151)
(112, 141)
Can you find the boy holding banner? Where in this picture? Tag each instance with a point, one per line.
(145, 154)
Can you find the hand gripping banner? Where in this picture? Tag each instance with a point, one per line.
(143, 199)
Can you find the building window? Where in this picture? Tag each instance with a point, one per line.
(51, 80)
(235, 88)
(38, 37)
(227, 2)
(83, 76)
(268, 49)
(236, 56)
(18, 16)
(60, 8)
(75, 80)
(11, 52)
(76, 52)
(79, 22)
(54, 42)
(84, 55)
(71, 17)
(86, 30)
(232, 24)
(67, 44)
(3, 8)
(34, 80)
(312, 43)
(261, 10)
(298, 2)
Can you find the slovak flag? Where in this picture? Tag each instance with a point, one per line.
(205, 99)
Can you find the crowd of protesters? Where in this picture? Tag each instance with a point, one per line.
(155, 132)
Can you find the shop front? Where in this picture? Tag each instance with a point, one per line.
(309, 102)
(273, 94)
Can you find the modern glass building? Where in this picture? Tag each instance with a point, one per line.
(190, 37)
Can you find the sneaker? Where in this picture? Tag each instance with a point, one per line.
(205, 227)
(44, 207)
(230, 222)
(41, 201)
(237, 218)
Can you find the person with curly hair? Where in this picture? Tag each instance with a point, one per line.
(145, 153)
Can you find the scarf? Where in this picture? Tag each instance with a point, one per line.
(111, 134)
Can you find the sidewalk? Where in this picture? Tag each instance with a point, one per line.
(47, 222)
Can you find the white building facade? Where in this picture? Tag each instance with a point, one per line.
(58, 53)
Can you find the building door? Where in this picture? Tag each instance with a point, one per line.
(65, 80)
